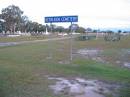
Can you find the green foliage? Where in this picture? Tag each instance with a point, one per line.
(12, 16)
(80, 30)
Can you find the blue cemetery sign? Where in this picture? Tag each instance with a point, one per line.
(57, 19)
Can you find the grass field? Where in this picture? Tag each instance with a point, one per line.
(23, 68)
(26, 38)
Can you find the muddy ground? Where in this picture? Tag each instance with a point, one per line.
(79, 87)
(122, 58)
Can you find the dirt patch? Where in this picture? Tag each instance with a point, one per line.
(89, 52)
(79, 87)
(121, 58)
(94, 54)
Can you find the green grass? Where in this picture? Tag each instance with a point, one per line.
(27, 38)
(23, 67)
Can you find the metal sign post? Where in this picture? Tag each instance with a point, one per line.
(50, 54)
(58, 19)
(71, 49)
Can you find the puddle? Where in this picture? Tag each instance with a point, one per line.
(89, 52)
(79, 87)
(64, 62)
(95, 54)
(127, 65)
(126, 51)
(99, 59)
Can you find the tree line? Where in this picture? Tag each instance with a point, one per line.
(12, 19)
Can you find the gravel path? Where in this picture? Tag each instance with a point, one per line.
(34, 41)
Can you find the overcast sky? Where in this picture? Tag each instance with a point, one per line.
(92, 13)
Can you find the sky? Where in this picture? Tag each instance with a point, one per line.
(92, 13)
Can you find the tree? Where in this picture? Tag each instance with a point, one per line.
(13, 17)
(23, 25)
(89, 30)
(95, 31)
(119, 31)
(59, 29)
(34, 27)
(2, 26)
(41, 28)
(73, 27)
(80, 30)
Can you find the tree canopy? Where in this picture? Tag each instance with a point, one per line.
(15, 20)
(12, 16)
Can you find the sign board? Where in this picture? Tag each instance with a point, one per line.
(56, 19)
